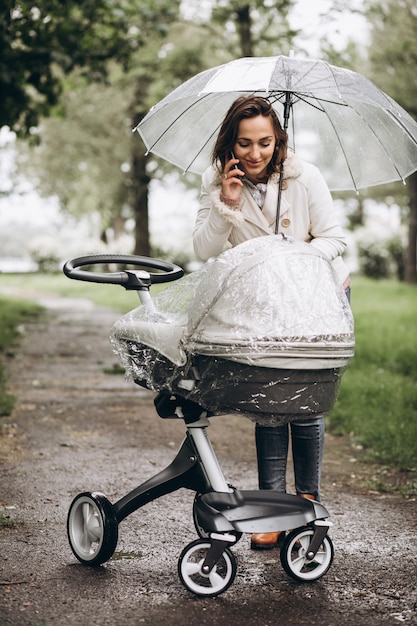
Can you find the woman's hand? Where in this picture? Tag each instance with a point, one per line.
(231, 182)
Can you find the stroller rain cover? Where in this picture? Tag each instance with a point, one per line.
(271, 302)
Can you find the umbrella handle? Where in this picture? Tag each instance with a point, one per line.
(287, 111)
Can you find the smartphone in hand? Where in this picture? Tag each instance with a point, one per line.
(235, 166)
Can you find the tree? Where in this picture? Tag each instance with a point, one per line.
(39, 43)
(253, 27)
(83, 155)
(390, 61)
(88, 156)
(164, 58)
(160, 69)
(393, 59)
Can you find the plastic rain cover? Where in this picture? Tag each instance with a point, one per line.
(263, 329)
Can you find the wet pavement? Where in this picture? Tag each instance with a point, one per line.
(77, 428)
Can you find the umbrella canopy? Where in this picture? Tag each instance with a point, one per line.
(355, 133)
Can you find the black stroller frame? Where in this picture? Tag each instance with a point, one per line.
(221, 513)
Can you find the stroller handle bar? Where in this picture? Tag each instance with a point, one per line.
(129, 279)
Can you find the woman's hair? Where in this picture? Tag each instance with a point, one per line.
(243, 108)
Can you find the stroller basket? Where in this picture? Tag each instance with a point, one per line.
(267, 394)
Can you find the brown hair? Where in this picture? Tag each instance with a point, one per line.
(243, 108)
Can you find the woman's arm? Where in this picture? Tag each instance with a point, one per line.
(214, 221)
(326, 233)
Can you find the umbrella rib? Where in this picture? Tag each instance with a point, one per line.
(306, 100)
(411, 136)
(172, 123)
(309, 103)
(330, 68)
(322, 80)
(381, 143)
(376, 137)
(343, 151)
(201, 149)
(372, 131)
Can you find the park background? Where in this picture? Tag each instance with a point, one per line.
(75, 180)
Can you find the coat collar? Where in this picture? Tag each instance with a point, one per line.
(292, 168)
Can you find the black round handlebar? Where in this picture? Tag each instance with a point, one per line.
(129, 279)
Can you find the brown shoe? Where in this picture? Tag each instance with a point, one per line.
(307, 496)
(264, 541)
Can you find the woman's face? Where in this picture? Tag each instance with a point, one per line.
(255, 145)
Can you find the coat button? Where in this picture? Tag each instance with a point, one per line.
(285, 222)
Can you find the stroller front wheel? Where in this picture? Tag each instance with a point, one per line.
(294, 558)
(92, 528)
(195, 580)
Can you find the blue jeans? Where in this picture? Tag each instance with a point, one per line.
(307, 437)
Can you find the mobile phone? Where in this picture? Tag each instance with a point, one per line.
(235, 166)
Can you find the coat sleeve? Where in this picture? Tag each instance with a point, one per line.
(327, 235)
(214, 222)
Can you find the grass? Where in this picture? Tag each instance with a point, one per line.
(378, 398)
(13, 313)
(112, 296)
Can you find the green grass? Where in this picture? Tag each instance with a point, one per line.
(378, 398)
(112, 296)
(13, 313)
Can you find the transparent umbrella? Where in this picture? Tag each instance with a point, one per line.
(337, 119)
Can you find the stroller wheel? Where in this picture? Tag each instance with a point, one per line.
(294, 556)
(191, 575)
(92, 528)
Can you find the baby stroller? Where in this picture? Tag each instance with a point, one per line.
(261, 331)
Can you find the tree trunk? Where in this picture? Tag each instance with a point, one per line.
(244, 29)
(140, 196)
(140, 180)
(411, 258)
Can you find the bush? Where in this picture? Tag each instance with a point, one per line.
(46, 253)
(381, 258)
(374, 261)
(396, 249)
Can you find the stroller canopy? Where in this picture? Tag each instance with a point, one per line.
(270, 302)
(267, 300)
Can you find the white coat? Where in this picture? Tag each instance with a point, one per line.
(307, 214)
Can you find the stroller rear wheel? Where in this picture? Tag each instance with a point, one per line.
(294, 556)
(195, 580)
(92, 528)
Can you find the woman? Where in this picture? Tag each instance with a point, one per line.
(239, 197)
